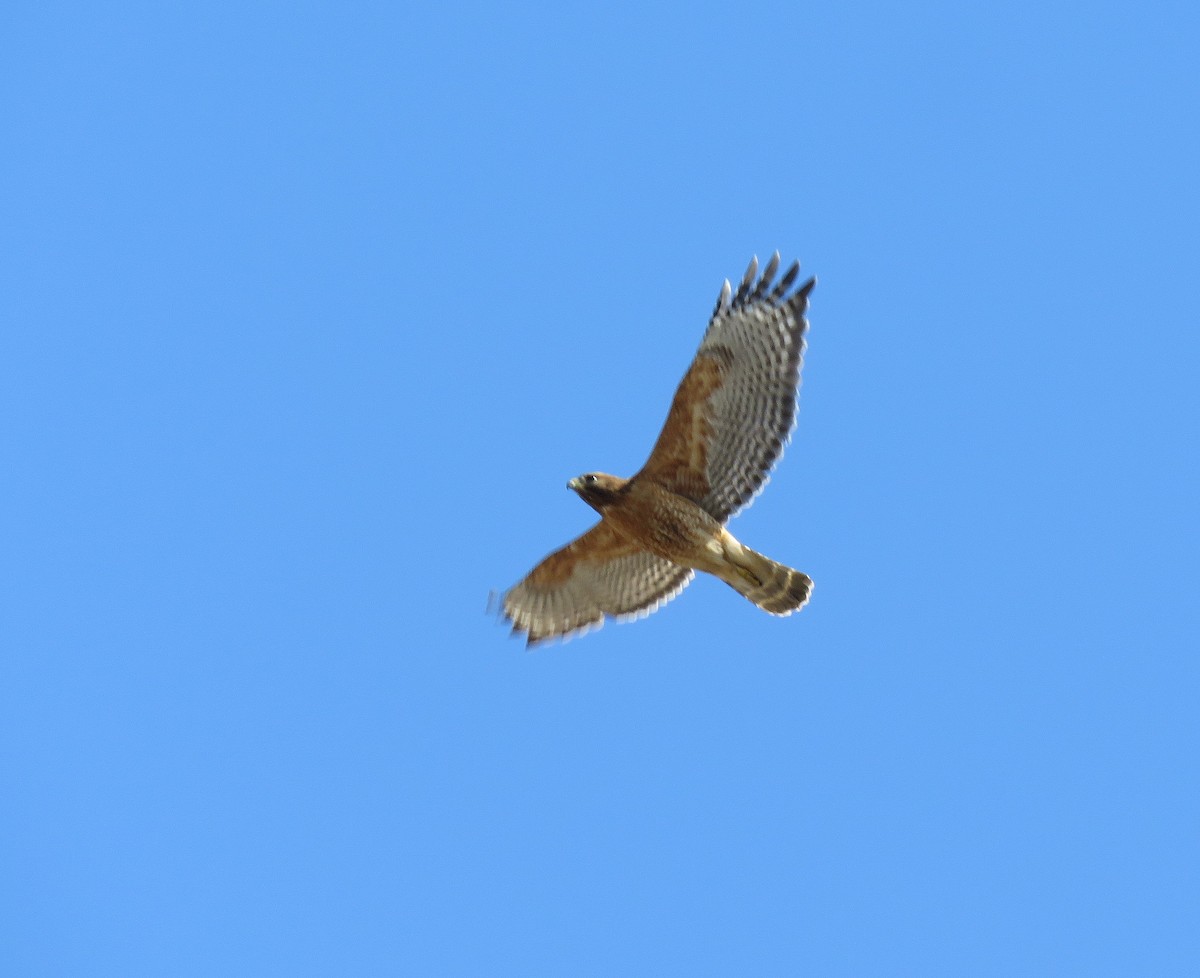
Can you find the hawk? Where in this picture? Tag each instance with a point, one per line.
(732, 414)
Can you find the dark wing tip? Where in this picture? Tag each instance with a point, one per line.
(723, 299)
(801, 294)
(768, 276)
(755, 288)
(785, 283)
(747, 283)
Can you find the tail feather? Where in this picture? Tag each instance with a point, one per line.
(772, 586)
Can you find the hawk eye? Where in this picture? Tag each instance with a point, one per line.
(590, 480)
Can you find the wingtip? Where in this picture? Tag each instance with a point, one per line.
(747, 284)
(723, 298)
(763, 286)
(772, 268)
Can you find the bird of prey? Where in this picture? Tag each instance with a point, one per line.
(732, 414)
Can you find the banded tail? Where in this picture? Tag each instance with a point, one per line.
(772, 586)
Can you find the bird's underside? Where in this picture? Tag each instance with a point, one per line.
(729, 421)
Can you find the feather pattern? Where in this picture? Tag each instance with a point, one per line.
(731, 417)
(595, 575)
(736, 406)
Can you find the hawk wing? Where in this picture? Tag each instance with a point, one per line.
(598, 574)
(736, 406)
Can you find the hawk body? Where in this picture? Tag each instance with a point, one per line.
(658, 520)
(730, 418)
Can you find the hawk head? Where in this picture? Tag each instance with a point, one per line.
(597, 489)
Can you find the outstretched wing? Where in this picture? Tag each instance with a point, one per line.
(595, 575)
(736, 406)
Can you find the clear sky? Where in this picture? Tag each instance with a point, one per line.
(308, 313)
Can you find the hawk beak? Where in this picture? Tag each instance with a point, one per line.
(573, 484)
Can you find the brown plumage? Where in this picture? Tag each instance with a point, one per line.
(729, 421)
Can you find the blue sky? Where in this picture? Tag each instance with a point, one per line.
(310, 310)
